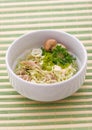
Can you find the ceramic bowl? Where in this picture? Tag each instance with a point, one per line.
(53, 91)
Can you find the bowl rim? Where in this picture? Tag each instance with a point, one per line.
(44, 84)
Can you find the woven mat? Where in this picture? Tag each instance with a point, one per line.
(20, 16)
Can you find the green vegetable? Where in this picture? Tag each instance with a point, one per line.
(58, 56)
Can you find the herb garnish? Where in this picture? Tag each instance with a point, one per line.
(58, 56)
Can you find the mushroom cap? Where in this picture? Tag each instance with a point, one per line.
(49, 44)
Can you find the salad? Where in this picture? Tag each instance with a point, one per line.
(49, 64)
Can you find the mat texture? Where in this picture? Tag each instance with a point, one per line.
(21, 16)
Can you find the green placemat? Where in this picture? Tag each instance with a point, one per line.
(20, 16)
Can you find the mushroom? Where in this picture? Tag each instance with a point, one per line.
(49, 44)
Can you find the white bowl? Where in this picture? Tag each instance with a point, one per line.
(46, 92)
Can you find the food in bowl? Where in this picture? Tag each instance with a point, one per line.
(49, 64)
(46, 91)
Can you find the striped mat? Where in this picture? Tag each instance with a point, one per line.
(21, 16)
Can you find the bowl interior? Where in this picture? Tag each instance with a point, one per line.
(36, 39)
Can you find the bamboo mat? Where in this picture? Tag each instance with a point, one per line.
(20, 16)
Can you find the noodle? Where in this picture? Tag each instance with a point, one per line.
(41, 66)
